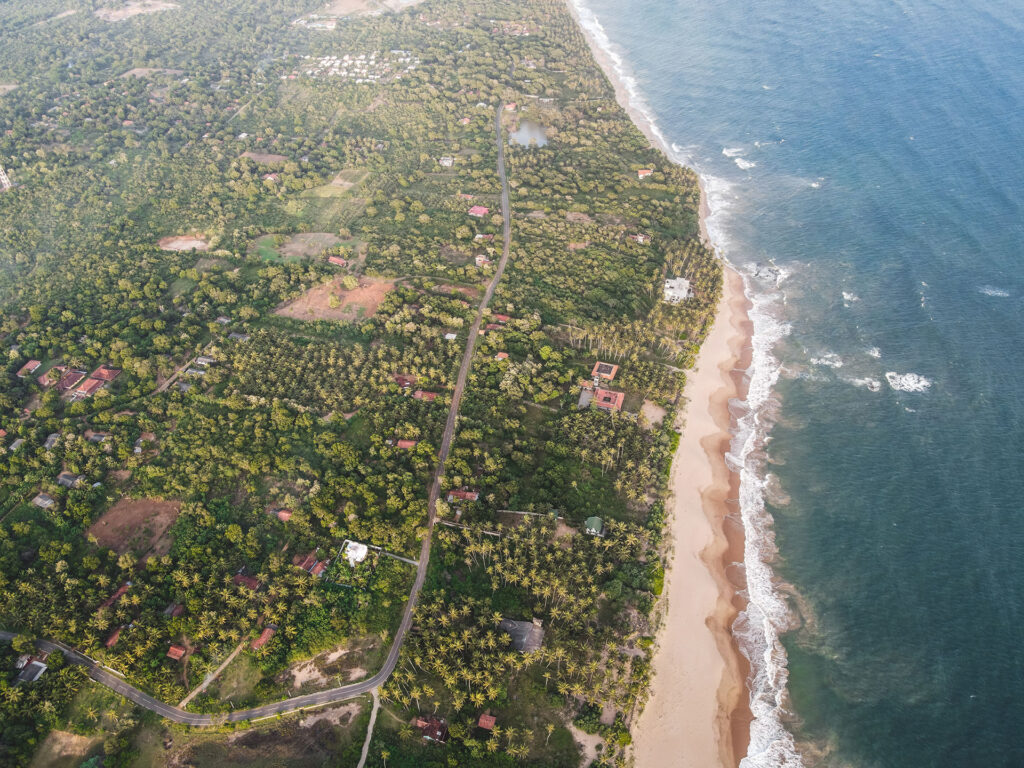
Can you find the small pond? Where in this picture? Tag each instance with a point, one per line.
(529, 132)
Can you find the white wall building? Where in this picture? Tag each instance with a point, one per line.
(677, 289)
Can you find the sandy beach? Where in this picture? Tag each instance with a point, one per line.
(699, 714)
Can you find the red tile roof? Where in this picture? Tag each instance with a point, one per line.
(404, 381)
(305, 562)
(462, 493)
(604, 370)
(501, 356)
(263, 639)
(116, 596)
(175, 652)
(493, 327)
(608, 400)
(70, 379)
(407, 443)
(338, 261)
(643, 173)
(318, 569)
(249, 581)
(106, 373)
(89, 387)
(478, 211)
(28, 368)
(284, 515)
(501, 318)
(487, 721)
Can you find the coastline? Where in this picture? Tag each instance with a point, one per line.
(699, 713)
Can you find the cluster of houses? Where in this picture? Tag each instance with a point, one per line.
(593, 394)
(71, 380)
(359, 68)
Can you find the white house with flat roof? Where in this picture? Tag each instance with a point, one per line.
(677, 289)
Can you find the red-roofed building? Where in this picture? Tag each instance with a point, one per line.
(117, 595)
(501, 318)
(263, 639)
(174, 610)
(318, 570)
(50, 378)
(284, 515)
(175, 652)
(605, 371)
(464, 121)
(305, 562)
(432, 728)
(404, 381)
(487, 721)
(29, 368)
(463, 494)
(608, 400)
(422, 394)
(643, 173)
(338, 261)
(493, 327)
(69, 380)
(501, 356)
(242, 579)
(114, 637)
(479, 211)
(106, 373)
(88, 388)
(407, 443)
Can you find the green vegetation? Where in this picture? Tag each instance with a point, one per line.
(240, 439)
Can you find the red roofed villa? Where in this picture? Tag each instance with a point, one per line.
(479, 211)
(263, 639)
(422, 394)
(248, 581)
(69, 380)
(608, 400)
(106, 373)
(407, 443)
(643, 173)
(175, 652)
(306, 562)
(605, 371)
(501, 356)
(28, 368)
(487, 721)
(501, 318)
(88, 389)
(404, 381)
(463, 494)
(338, 261)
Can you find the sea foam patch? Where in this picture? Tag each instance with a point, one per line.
(991, 290)
(908, 382)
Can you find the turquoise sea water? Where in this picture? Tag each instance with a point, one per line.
(873, 149)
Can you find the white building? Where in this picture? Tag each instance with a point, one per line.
(354, 552)
(677, 289)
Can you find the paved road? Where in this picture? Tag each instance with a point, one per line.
(102, 675)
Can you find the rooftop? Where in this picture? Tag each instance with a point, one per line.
(527, 636)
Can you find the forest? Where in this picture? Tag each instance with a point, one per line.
(279, 264)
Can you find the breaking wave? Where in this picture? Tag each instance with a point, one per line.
(908, 382)
(991, 290)
(744, 164)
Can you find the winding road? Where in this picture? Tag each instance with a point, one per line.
(116, 683)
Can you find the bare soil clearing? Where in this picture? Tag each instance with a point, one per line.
(653, 412)
(7, 88)
(576, 217)
(139, 525)
(265, 157)
(309, 244)
(134, 8)
(143, 72)
(61, 749)
(61, 15)
(335, 716)
(183, 243)
(315, 304)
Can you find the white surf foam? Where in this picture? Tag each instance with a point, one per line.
(873, 385)
(744, 164)
(908, 382)
(991, 290)
(758, 628)
(829, 360)
(874, 352)
(732, 151)
(849, 298)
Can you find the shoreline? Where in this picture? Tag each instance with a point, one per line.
(700, 675)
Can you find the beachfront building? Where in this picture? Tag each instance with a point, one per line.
(677, 289)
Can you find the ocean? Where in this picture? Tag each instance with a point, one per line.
(864, 168)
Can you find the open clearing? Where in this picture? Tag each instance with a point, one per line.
(61, 749)
(139, 525)
(134, 8)
(653, 412)
(142, 72)
(7, 88)
(61, 15)
(183, 243)
(265, 158)
(309, 244)
(315, 304)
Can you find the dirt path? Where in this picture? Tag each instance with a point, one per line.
(369, 729)
(210, 677)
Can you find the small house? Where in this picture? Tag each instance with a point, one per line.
(284, 515)
(493, 327)
(451, 336)
(487, 721)
(608, 400)
(643, 173)
(17, 444)
(244, 580)
(479, 211)
(405, 382)
(43, 501)
(422, 394)
(432, 728)
(527, 636)
(447, 161)
(88, 388)
(464, 121)
(463, 495)
(354, 551)
(500, 317)
(406, 444)
(29, 368)
(604, 371)
(235, 336)
(593, 526)
(51, 440)
(69, 380)
(31, 666)
(175, 652)
(223, 320)
(106, 373)
(640, 239)
(481, 260)
(305, 562)
(205, 360)
(174, 610)
(678, 289)
(69, 479)
(264, 638)
(501, 356)
(511, 106)
(337, 261)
